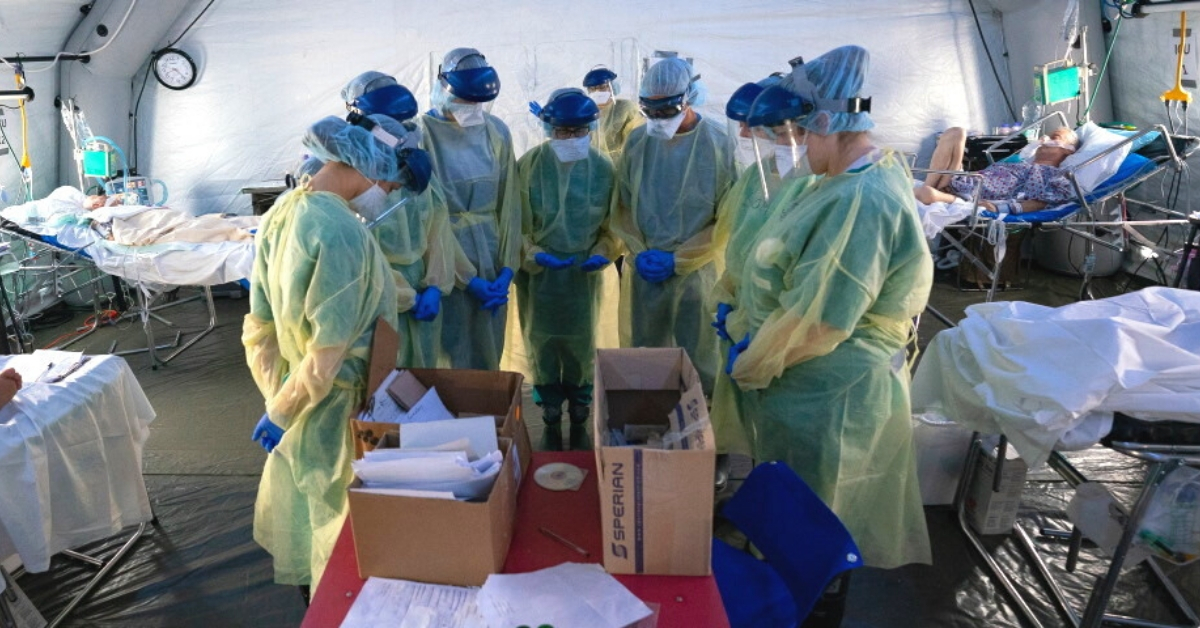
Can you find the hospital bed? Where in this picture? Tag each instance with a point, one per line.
(1123, 372)
(967, 226)
(155, 270)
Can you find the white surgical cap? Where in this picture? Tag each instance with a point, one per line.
(334, 139)
(368, 81)
(670, 77)
(836, 75)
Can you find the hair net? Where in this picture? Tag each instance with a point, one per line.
(334, 139)
(835, 75)
(366, 82)
(670, 77)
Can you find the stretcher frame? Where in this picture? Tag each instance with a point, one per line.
(1084, 221)
(1163, 458)
(145, 308)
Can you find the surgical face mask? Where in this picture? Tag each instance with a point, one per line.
(570, 150)
(466, 114)
(664, 128)
(746, 153)
(786, 160)
(601, 97)
(370, 204)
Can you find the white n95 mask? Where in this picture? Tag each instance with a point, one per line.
(466, 114)
(371, 203)
(601, 97)
(573, 149)
(786, 160)
(664, 128)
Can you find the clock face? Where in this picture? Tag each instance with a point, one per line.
(174, 69)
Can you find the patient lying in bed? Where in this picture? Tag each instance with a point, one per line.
(1008, 187)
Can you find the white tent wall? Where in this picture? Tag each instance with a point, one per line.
(34, 29)
(266, 72)
(1033, 30)
(102, 88)
(1143, 67)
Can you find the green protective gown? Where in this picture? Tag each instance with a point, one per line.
(744, 211)
(667, 197)
(421, 250)
(565, 209)
(828, 295)
(476, 168)
(319, 284)
(617, 121)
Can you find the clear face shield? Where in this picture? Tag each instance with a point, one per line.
(749, 147)
(788, 155)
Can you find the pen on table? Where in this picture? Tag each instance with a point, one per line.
(49, 367)
(564, 541)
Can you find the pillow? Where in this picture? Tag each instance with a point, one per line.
(1094, 140)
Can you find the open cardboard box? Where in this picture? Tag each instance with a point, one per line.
(656, 505)
(464, 392)
(442, 541)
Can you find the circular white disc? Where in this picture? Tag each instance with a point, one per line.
(559, 476)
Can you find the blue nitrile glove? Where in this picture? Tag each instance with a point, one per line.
(502, 282)
(547, 260)
(481, 289)
(594, 263)
(734, 352)
(267, 434)
(655, 266)
(429, 303)
(723, 310)
(535, 108)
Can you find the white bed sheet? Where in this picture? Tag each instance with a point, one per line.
(1051, 378)
(172, 263)
(71, 460)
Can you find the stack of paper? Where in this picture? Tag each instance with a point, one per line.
(451, 459)
(47, 366)
(571, 594)
(405, 604)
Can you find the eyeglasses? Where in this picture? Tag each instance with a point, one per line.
(659, 108)
(569, 132)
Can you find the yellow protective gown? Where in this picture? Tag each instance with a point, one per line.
(421, 250)
(828, 296)
(617, 121)
(744, 211)
(667, 196)
(476, 168)
(565, 209)
(319, 284)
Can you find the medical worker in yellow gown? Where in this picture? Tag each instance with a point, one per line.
(566, 194)
(670, 181)
(318, 286)
(824, 307)
(618, 116)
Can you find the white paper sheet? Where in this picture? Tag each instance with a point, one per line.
(386, 603)
(428, 408)
(453, 474)
(404, 492)
(480, 431)
(570, 594)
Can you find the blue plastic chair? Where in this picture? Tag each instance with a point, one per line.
(805, 546)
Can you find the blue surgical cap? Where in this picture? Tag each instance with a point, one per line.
(670, 77)
(837, 75)
(334, 139)
(368, 81)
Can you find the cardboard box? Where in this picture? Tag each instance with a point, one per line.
(464, 392)
(995, 512)
(656, 505)
(436, 540)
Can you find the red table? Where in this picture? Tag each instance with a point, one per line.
(683, 601)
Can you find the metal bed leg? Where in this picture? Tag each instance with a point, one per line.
(212, 323)
(974, 450)
(1094, 614)
(109, 565)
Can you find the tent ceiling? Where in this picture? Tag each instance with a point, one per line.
(36, 28)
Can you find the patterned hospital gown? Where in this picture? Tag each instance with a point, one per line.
(1018, 181)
